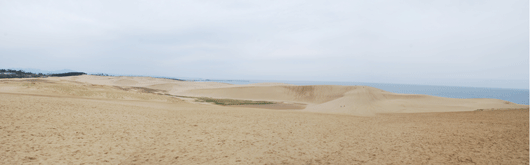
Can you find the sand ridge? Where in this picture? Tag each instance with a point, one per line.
(353, 100)
(54, 130)
(172, 86)
(77, 120)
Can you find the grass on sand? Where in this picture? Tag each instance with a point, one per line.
(231, 101)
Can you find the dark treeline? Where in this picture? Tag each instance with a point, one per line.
(68, 74)
(9, 73)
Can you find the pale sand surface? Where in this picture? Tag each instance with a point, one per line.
(72, 120)
(352, 100)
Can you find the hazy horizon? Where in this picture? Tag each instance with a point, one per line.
(242, 81)
(441, 43)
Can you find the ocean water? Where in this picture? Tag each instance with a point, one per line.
(519, 96)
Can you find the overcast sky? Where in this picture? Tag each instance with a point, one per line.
(479, 43)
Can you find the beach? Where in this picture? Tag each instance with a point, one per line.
(143, 120)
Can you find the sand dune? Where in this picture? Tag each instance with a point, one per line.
(171, 86)
(305, 94)
(114, 121)
(369, 101)
(125, 82)
(354, 100)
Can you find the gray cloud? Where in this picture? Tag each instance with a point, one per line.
(462, 43)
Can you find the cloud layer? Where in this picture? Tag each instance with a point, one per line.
(471, 43)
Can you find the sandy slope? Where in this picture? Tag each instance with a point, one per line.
(355, 100)
(171, 86)
(369, 101)
(62, 121)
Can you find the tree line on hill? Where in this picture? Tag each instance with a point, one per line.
(9, 73)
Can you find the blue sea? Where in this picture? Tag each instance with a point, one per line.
(519, 96)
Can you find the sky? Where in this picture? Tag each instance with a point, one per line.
(476, 43)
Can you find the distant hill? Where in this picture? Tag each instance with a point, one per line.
(11, 73)
(33, 70)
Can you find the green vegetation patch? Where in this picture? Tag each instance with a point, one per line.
(231, 101)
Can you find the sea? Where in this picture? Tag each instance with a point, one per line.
(519, 96)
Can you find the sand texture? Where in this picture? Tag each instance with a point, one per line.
(352, 100)
(130, 120)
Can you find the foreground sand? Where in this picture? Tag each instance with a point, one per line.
(66, 122)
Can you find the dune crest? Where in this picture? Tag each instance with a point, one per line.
(352, 100)
(313, 94)
(71, 121)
